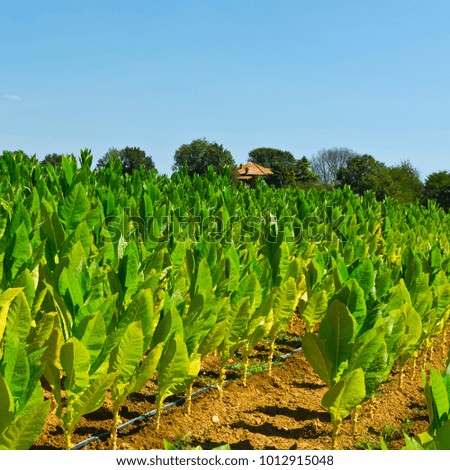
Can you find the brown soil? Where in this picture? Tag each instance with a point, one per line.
(281, 411)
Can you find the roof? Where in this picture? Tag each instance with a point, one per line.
(253, 169)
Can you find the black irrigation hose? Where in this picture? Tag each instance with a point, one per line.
(151, 413)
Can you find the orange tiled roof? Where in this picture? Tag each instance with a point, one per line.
(253, 169)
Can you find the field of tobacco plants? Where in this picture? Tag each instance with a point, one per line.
(112, 285)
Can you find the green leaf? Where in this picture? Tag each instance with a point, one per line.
(411, 444)
(280, 263)
(365, 348)
(75, 360)
(19, 252)
(353, 296)
(283, 305)
(365, 275)
(440, 395)
(24, 431)
(203, 280)
(314, 309)
(70, 291)
(315, 353)
(18, 315)
(91, 331)
(348, 393)
(443, 436)
(338, 329)
(87, 402)
(145, 371)
(141, 309)
(6, 405)
(15, 367)
(74, 207)
(128, 353)
(197, 323)
(173, 368)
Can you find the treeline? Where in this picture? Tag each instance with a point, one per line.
(329, 168)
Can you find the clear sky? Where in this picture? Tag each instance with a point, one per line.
(299, 75)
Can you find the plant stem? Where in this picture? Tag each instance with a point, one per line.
(271, 352)
(354, 417)
(400, 379)
(189, 399)
(244, 378)
(115, 420)
(336, 426)
(158, 418)
(68, 437)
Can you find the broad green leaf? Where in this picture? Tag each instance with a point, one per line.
(91, 331)
(90, 400)
(24, 431)
(70, 291)
(365, 348)
(443, 436)
(440, 396)
(6, 405)
(19, 252)
(15, 367)
(173, 368)
(314, 350)
(203, 280)
(19, 316)
(280, 263)
(74, 207)
(283, 305)
(348, 393)
(353, 296)
(314, 308)
(141, 309)
(5, 301)
(75, 360)
(127, 354)
(146, 370)
(365, 275)
(29, 282)
(412, 444)
(338, 330)
(52, 228)
(197, 323)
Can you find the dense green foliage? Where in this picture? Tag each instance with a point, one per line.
(437, 187)
(197, 156)
(287, 171)
(130, 158)
(109, 279)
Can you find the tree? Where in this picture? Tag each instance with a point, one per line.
(54, 159)
(103, 161)
(304, 176)
(132, 158)
(281, 162)
(197, 156)
(363, 173)
(287, 171)
(406, 184)
(327, 162)
(437, 186)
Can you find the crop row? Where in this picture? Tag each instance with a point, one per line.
(108, 281)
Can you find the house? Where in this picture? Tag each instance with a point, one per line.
(249, 172)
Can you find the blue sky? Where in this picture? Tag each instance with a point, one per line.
(299, 75)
